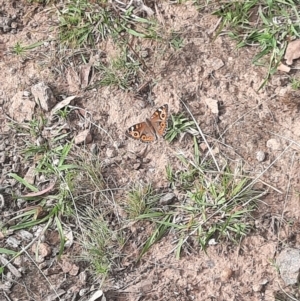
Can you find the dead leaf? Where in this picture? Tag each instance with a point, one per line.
(62, 104)
(283, 68)
(39, 192)
(85, 71)
(73, 80)
(83, 137)
(292, 51)
(39, 213)
(84, 75)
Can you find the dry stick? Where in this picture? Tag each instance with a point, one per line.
(202, 135)
(91, 122)
(51, 286)
(291, 297)
(24, 250)
(217, 211)
(231, 125)
(287, 193)
(6, 296)
(228, 146)
(257, 178)
(283, 137)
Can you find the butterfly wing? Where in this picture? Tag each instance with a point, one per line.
(159, 120)
(141, 131)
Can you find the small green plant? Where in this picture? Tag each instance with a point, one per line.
(55, 201)
(20, 49)
(84, 23)
(295, 83)
(120, 72)
(63, 113)
(179, 124)
(36, 126)
(176, 41)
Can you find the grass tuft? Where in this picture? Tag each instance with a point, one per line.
(179, 125)
(215, 206)
(101, 245)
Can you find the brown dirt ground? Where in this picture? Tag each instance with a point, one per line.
(247, 120)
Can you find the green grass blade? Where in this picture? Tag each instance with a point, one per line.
(22, 181)
(7, 252)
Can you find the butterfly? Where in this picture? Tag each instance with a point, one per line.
(148, 130)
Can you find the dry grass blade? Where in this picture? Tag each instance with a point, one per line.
(203, 136)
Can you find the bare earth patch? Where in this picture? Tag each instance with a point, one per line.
(245, 122)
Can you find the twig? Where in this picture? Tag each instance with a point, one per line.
(202, 135)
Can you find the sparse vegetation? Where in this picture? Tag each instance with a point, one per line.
(214, 206)
(98, 189)
(268, 25)
(120, 72)
(102, 246)
(53, 201)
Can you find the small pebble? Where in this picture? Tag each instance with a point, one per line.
(260, 156)
(14, 25)
(226, 274)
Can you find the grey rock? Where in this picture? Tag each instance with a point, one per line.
(168, 199)
(43, 96)
(14, 25)
(2, 202)
(5, 21)
(25, 235)
(111, 152)
(6, 28)
(288, 262)
(13, 242)
(136, 165)
(26, 93)
(94, 149)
